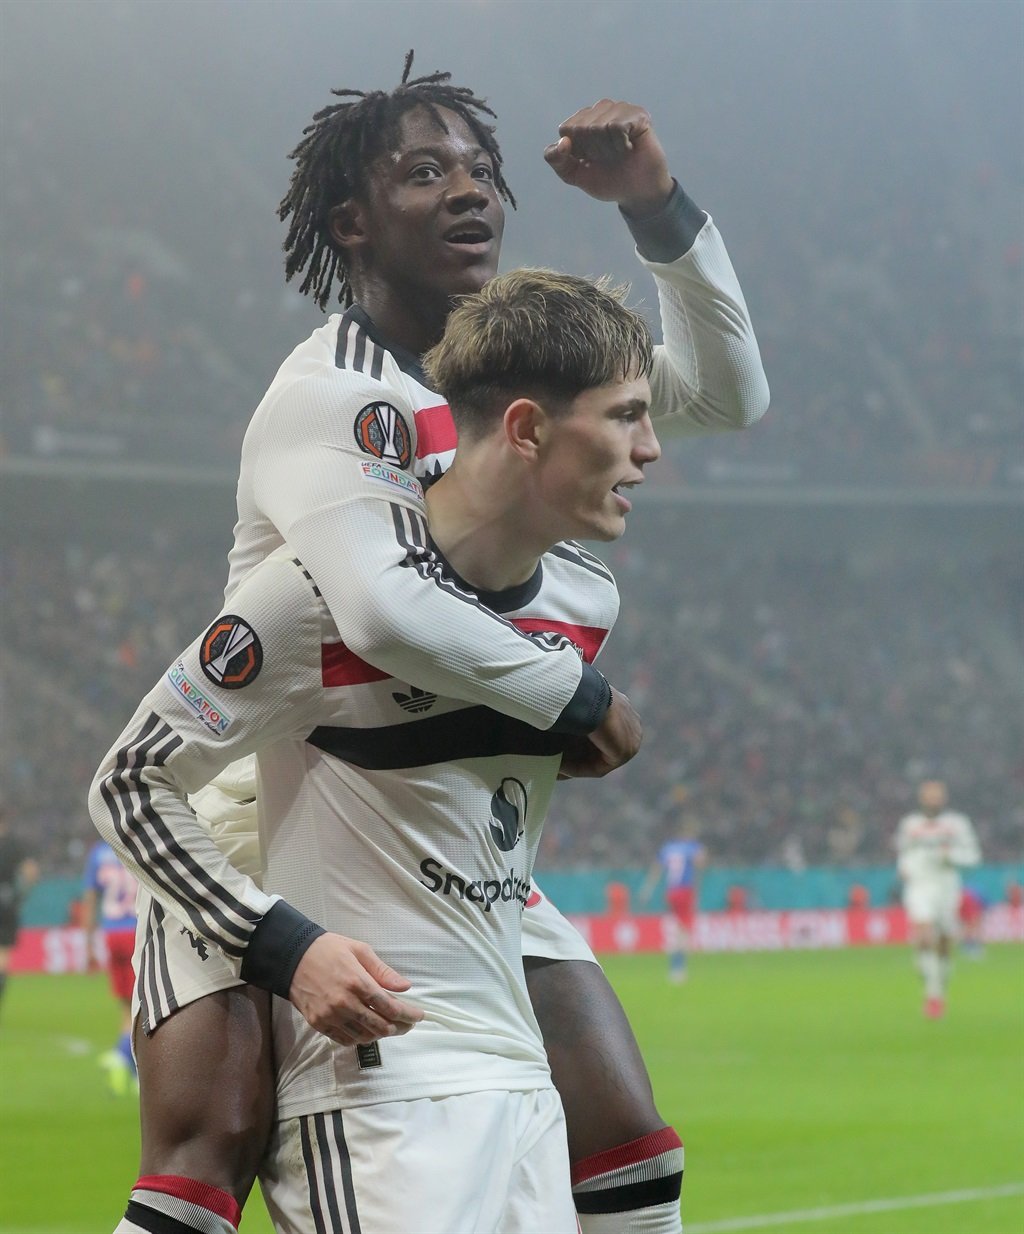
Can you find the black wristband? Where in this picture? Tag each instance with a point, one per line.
(587, 708)
(276, 946)
(669, 234)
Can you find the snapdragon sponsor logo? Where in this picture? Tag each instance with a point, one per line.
(215, 718)
(485, 892)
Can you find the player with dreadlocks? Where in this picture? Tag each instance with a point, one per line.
(335, 154)
(395, 207)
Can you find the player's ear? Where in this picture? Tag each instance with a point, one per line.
(346, 223)
(525, 425)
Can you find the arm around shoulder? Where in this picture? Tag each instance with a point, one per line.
(357, 521)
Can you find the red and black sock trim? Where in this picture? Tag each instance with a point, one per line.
(171, 1204)
(639, 1174)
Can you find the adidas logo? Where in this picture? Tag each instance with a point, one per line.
(415, 701)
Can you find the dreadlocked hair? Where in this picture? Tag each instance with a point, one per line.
(336, 150)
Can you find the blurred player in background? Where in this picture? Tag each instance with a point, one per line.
(933, 844)
(680, 861)
(395, 209)
(389, 804)
(973, 903)
(18, 871)
(108, 916)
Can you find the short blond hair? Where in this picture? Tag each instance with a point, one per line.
(537, 334)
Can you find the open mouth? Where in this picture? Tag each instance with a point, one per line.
(469, 233)
(622, 488)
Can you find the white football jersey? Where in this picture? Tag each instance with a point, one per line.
(934, 848)
(328, 466)
(308, 451)
(388, 813)
(333, 461)
(306, 477)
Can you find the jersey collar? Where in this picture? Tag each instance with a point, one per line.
(507, 601)
(407, 361)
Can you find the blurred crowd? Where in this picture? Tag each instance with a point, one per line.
(87, 629)
(791, 699)
(892, 340)
(792, 702)
(894, 345)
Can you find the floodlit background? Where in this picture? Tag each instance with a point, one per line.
(816, 613)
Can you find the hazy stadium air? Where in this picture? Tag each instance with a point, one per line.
(863, 162)
(816, 613)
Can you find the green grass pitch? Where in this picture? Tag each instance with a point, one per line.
(800, 1081)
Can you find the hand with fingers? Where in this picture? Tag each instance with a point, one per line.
(611, 152)
(614, 742)
(346, 991)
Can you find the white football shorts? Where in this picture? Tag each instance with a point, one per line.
(173, 967)
(478, 1163)
(929, 902)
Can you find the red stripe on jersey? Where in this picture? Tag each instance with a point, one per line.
(435, 431)
(341, 667)
(589, 638)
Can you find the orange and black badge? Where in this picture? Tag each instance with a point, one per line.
(381, 431)
(230, 654)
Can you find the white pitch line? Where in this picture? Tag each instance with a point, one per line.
(75, 1045)
(765, 1220)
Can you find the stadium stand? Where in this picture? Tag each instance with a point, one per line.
(793, 690)
(788, 690)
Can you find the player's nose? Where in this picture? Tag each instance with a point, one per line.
(646, 446)
(464, 191)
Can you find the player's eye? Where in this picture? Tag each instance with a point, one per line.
(483, 171)
(425, 172)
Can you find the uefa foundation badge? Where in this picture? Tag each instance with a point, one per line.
(216, 719)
